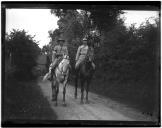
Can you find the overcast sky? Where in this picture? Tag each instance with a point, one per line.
(35, 21)
(39, 21)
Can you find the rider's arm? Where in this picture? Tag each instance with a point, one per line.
(53, 56)
(92, 53)
(66, 51)
(77, 55)
(54, 53)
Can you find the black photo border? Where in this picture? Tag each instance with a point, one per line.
(130, 5)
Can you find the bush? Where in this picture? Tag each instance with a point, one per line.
(131, 53)
(24, 51)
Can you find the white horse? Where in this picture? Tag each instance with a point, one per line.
(60, 76)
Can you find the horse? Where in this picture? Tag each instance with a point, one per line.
(60, 75)
(84, 74)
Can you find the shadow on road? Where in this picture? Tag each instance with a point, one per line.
(23, 101)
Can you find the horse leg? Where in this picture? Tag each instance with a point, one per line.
(82, 91)
(64, 92)
(76, 85)
(87, 90)
(56, 91)
(53, 89)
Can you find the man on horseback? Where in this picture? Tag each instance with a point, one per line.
(57, 55)
(82, 52)
(84, 68)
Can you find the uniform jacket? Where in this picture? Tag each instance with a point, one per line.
(81, 52)
(59, 50)
(91, 53)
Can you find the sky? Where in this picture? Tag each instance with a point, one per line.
(35, 21)
(138, 17)
(39, 21)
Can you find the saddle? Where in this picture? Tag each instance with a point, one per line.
(61, 64)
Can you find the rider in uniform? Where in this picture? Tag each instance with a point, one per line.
(57, 55)
(82, 52)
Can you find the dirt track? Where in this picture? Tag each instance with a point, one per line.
(99, 108)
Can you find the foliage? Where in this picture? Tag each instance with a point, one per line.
(106, 18)
(130, 53)
(46, 48)
(24, 50)
(128, 65)
(121, 50)
(103, 16)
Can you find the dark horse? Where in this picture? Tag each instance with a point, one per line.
(84, 74)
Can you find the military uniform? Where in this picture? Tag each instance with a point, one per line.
(57, 55)
(91, 56)
(82, 52)
(81, 55)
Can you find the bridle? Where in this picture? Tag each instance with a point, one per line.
(65, 57)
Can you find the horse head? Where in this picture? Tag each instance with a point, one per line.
(66, 57)
(88, 63)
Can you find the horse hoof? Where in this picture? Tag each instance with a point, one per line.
(55, 104)
(75, 97)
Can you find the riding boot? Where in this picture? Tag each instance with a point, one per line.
(77, 70)
(52, 70)
(93, 65)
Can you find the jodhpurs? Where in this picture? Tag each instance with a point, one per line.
(54, 63)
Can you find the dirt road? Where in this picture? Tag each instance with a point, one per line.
(99, 108)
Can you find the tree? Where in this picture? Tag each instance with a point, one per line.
(104, 16)
(24, 50)
(129, 52)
